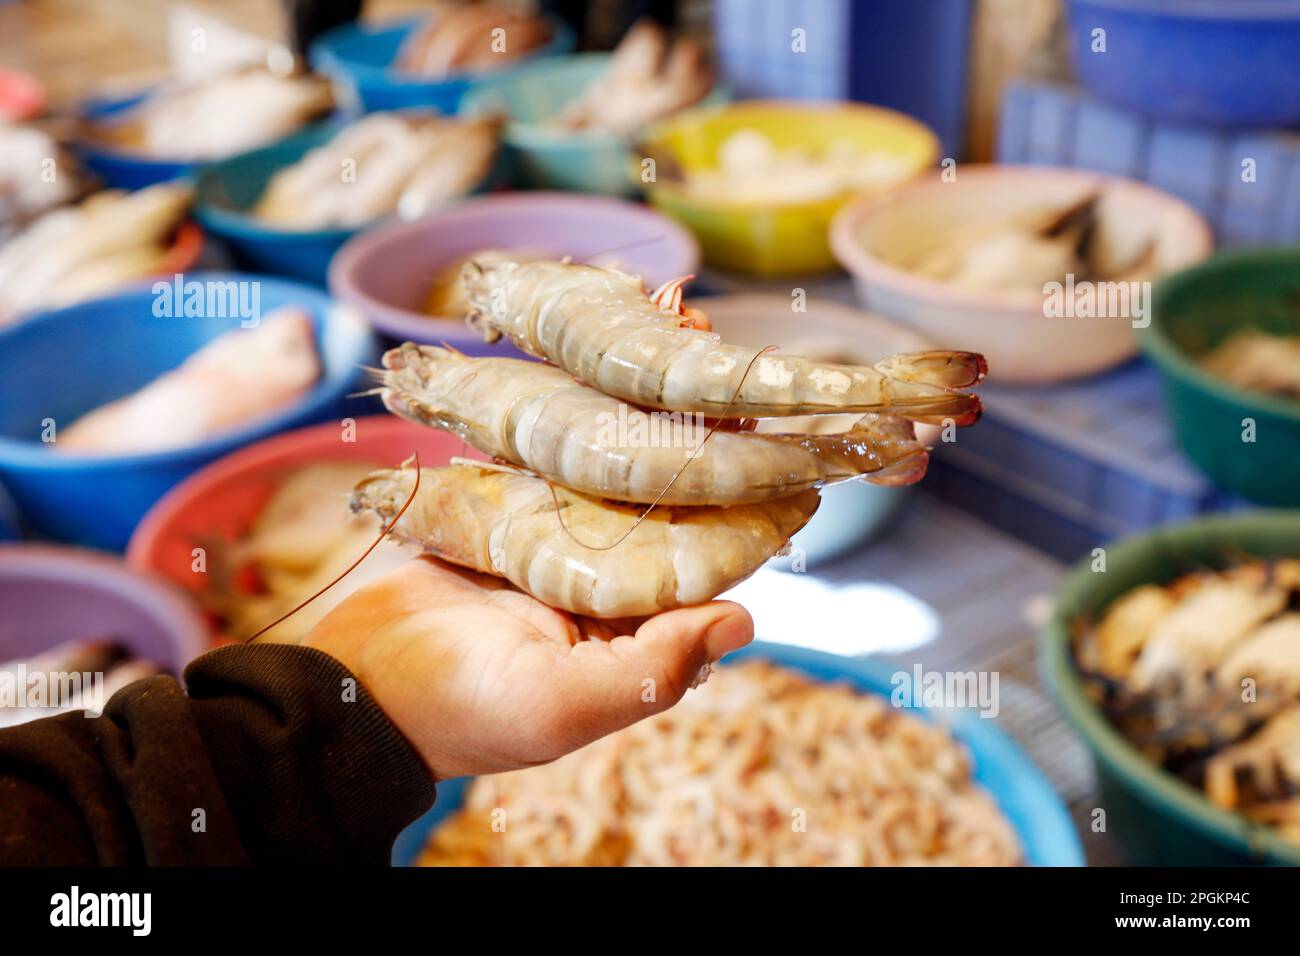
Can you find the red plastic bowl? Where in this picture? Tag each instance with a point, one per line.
(220, 502)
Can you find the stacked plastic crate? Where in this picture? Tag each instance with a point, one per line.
(1200, 100)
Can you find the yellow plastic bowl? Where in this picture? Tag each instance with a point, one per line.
(772, 238)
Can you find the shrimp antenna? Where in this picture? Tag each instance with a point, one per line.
(355, 564)
(559, 509)
(643, 241)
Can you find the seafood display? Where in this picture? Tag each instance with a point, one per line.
(751, 169)
(576, 553)
(474, 37)
(408, 164)
(215, 117)
(238, 377)
(537, 417)
(722, 778)
(650, 76)
(61, 670)
(1255, 360)
(78, 252)
(295, 547)
(602, 327)
(1026, 250)
(607, 509)
(1203, 676)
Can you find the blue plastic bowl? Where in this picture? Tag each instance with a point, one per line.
(123, 170)
(357, 57)
(1201, 62)
(9, 522)
(127, 170)
(64, 363)
(228, 188)
(1024, 795)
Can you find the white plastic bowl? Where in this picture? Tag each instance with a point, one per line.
(1021, 342)
(851, 512)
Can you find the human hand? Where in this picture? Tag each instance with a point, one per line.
(482, 678)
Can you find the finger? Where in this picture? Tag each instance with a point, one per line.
(605, 686)
(720, 626)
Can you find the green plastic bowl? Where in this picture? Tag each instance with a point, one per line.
(542, 157)
(1192, 311)
(1158, 818)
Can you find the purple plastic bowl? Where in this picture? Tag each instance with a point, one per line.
(385, 273)
(50, 595)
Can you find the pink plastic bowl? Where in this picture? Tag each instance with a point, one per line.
(220, 502)
(52, 594)
(386, 273)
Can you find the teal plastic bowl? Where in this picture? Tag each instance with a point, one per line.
(542, 157)
(227, 190)
(1194, 310)
(1047, 836)
(1156, 817)
(358, 57)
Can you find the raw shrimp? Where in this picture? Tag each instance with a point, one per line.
(538, 417)
(576, 553)
(601, 326)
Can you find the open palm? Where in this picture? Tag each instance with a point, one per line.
(483, 678)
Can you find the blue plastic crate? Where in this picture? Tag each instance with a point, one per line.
(1052, 124)
(1068, 467)
(897, 53)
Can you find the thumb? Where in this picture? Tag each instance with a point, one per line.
(610, 685)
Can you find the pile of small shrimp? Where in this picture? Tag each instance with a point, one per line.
(626, 475)
(760, 767)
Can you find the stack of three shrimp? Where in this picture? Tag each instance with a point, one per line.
(584, 505)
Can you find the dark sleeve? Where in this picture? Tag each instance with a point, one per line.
(277, 756)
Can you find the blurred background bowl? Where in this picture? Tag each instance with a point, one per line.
(227, 190)
(1023, 794)
(64, 363)
(359, 57)
(124, 169)
(546, 157)
(10, 519)
(22, 96)
(1193, 312)
(52, 595)
(1010, 328)
(851, 512)
(387, 273)
(220, 502)
(1157, 818)
(1200, 62)
(772, 238)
